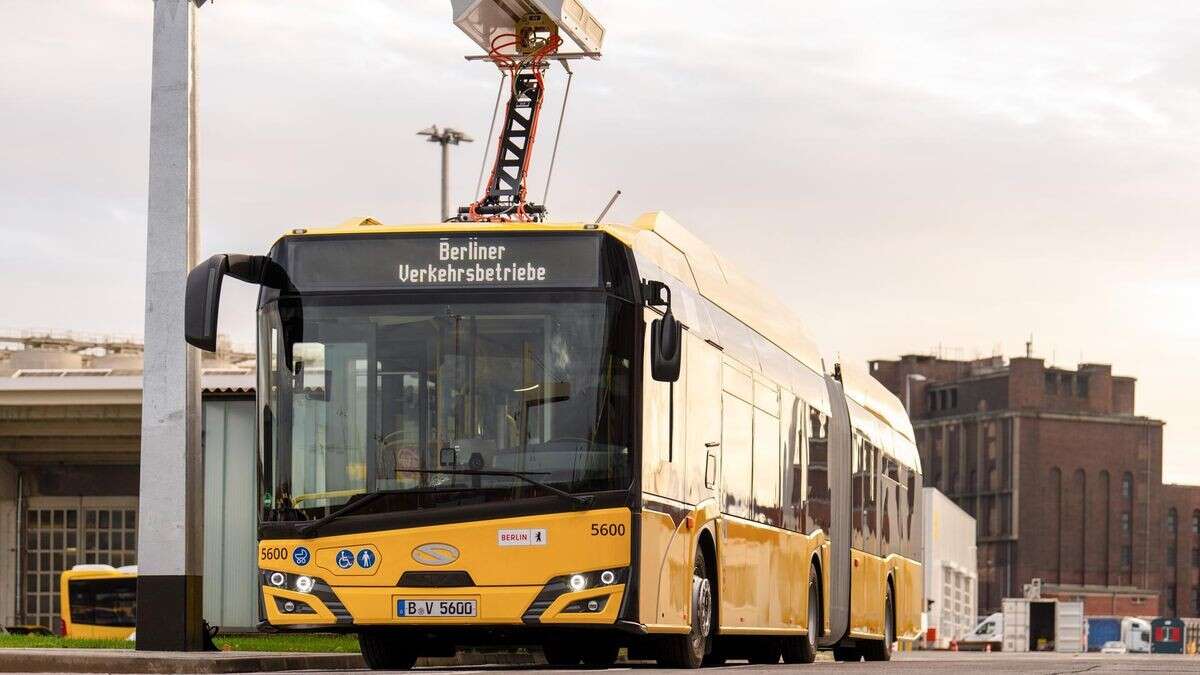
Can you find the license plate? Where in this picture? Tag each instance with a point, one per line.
(437, 608)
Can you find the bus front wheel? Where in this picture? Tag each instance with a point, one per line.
(687, 651)
(383, 650)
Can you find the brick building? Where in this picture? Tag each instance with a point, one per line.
(1063, 478)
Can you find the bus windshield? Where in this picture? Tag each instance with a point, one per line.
(435, 400)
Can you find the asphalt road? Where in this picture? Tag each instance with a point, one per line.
(940, 662)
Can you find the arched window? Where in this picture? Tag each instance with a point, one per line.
(1172, 521)
(1127, 485)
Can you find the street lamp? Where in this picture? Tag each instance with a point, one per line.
(908, 380)
(446, 137)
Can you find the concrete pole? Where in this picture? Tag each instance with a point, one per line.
(445, 179)
(170, 509)
(445, 137)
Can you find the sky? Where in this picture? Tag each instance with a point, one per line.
(910, 176)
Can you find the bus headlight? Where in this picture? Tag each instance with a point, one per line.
(304, 584)
(578, 582)
(278, 578)
(607, 577)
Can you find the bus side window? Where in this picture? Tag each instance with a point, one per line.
(816, 506)
(795, 465)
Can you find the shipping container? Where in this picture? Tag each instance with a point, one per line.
(951, 578)
(1101, 629)
(1043, 625)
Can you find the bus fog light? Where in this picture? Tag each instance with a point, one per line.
(593, 605)
(578, 582)
(278, 579)
(607, 577)
(289, 606)
(304, 584)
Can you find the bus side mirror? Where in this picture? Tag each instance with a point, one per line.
(203, 297)
(202, 301)
(666, 348)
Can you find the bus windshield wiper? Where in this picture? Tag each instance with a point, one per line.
(371, 497)
(350, 507)
(580, 500)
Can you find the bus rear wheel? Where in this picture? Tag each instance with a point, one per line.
(803, 649)
(881, 650)
(384, 650)
(687, 651)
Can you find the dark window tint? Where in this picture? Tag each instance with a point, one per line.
(794, 467)
(103, 602)
(817, 508)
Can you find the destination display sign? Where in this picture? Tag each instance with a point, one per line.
(445, 261)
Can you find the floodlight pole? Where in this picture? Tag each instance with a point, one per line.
(170, 551)
(446, 137)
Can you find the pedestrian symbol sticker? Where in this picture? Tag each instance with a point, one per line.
(301, 556)
(345, 559)
(366, 558)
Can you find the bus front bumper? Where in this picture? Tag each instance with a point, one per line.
(556, 603)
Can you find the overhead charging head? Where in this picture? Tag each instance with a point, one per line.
(485, 20)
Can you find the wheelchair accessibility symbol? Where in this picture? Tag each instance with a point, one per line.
(345, 559)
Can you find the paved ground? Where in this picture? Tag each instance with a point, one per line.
(916, 662)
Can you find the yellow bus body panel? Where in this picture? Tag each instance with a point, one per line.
(507, 578)
(868, 587)
(88, 631)
(763, 573)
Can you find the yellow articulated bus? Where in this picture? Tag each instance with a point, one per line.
(576, 436)
(98, 601)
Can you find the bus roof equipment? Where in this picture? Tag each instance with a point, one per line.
(485, 20)
(521, 37)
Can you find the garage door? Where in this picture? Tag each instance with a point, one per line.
(61, 532)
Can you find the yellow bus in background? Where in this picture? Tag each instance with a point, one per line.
(577, 436)
(98, 601)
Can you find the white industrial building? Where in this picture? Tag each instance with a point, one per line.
(951, 575)
(70, 426)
